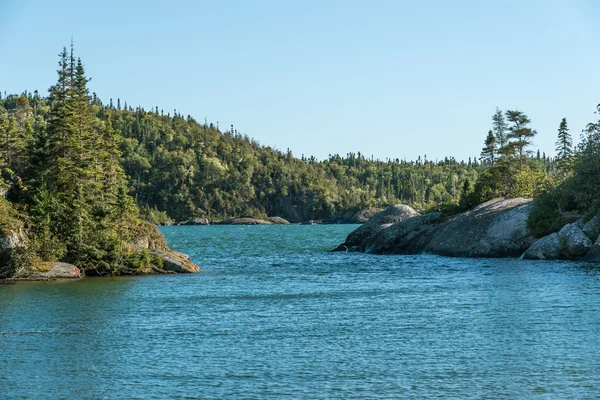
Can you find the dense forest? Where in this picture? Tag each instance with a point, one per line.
(82, 173)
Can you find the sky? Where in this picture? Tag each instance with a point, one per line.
(392, 79)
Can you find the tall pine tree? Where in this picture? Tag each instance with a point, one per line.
(564, 148)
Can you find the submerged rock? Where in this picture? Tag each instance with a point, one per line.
(546, 248)
(387, 217)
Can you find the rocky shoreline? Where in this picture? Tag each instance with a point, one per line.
(162, 260)
(495, 229)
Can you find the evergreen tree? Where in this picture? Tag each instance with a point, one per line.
(488, 152)
(564, 148)
(519, 134)
(499, 129)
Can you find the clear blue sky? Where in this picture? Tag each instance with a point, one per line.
(388, 78)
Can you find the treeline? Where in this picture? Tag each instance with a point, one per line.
(180, 168)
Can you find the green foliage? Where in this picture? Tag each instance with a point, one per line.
(545, 217)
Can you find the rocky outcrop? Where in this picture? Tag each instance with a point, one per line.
(497, 228)
(46, 271)
(379, 221)
(245, 221)
(175, 262)
(546, 248)
(278, 221)
(197, 221)
(405, 237)
(493, 229)
(362, 216)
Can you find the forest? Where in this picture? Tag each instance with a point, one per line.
(85, 173)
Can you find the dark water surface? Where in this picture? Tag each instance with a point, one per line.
(273, 315)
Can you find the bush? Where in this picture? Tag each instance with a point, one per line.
(545, 218)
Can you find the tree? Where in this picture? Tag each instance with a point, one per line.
(488, 152)
(519, 134)
(564, 148)
(499, 129)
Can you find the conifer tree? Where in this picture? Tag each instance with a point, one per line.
(499, 129)
(488, 152)
(519, 134)
(564, 148)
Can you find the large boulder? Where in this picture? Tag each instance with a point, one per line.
(594, 253)
(175, 262)
(278, 221)
(497, 228)
(45, 271)
(405, 237)
(382, 219)
(546, 248)
(592, 229)
(245, 221)
(362, 216)
(574, 242)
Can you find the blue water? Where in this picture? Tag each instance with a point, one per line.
(274, 315)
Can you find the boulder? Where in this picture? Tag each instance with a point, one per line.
(594, 253)
(546, 248)
(592, 228)
(575, 243)
(197, 221)
(497, 228)
(362, 216)
(386, 217)
(278, 221)
(405, 237)
(175, 262)
(44, 271)
(245, 221)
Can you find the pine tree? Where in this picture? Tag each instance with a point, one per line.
(564, 148)
(488, 152)
(499, 129)
(519, 134)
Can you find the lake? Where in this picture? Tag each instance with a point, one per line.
(273, 314)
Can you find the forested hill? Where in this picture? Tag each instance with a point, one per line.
(185, 168)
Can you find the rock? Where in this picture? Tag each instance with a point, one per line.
(546, 248)
(592, 228)
(43, 271)
(388, 216)
(575, 242)
(362, 216)
(245, 221)
(278, 221)
(409, 236)
(197, 221)
(175, 262)
(341, 247)
(497, 228)
(594, 253)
